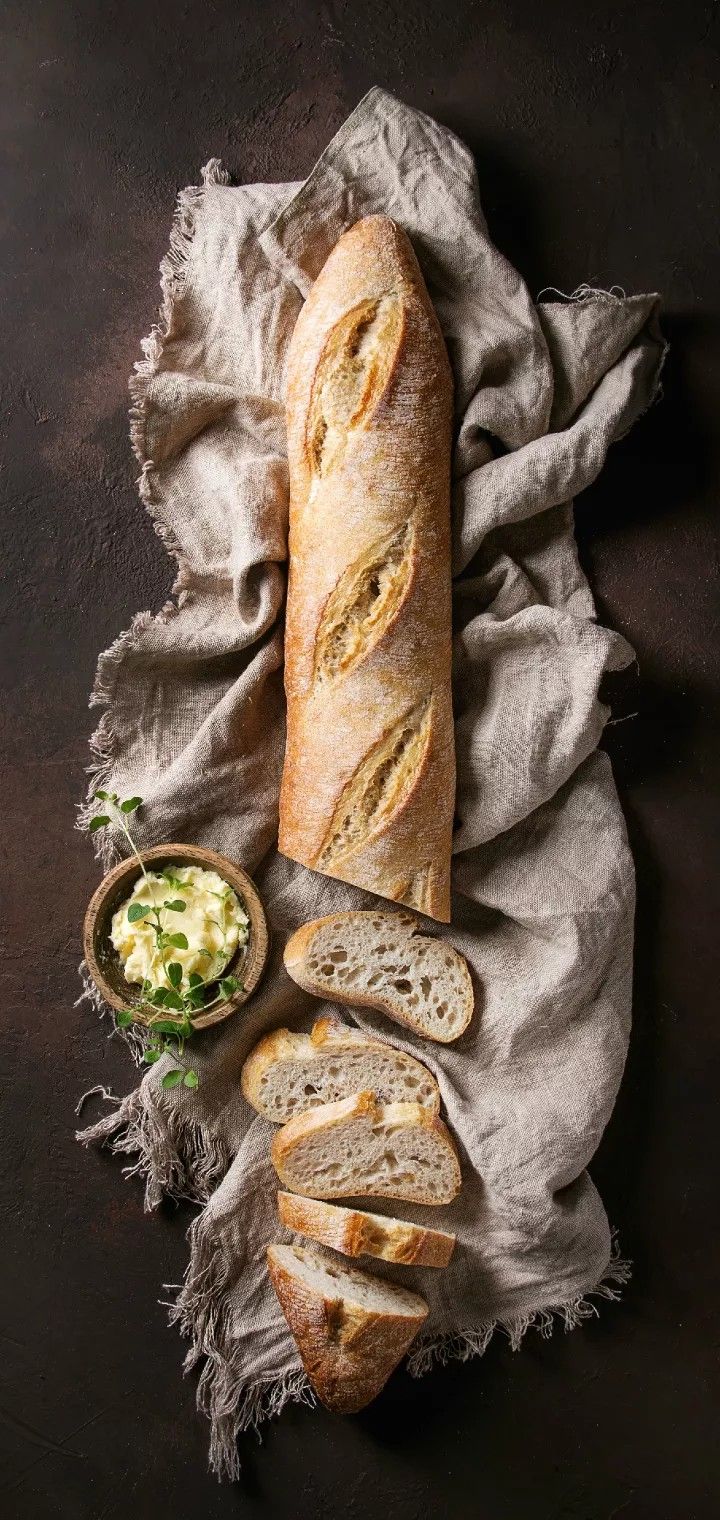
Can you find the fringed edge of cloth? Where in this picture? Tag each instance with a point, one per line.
(175, 1157)
(132, 1035)
(174, 275)
(461, 1345)
(202, 1312)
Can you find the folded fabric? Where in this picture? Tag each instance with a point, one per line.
(193, 721)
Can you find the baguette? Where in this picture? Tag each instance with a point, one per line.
(358, 1148)
(369, 777)
(356, 1233)
(288, 1074)
(378, 960)
(351, 1329)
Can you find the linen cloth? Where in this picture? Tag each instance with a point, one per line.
(193, 722)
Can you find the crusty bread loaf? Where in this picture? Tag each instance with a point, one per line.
(288, 1074)
(357, 1233)
(369, 779)
(351, 1329)
(378, 959)
(358, 1148)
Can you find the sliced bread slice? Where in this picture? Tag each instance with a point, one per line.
(379, 960)
(288, 1074)
(351, 1329)
(359, 1148)
(356, 1233)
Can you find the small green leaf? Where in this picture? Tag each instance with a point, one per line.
(195, 998)
(158, 996)
(229, 985)
(100, 821)
(147, 986)
(176, 906)
(138, 910)
(172, 1078)
(190, 1079)
(175, 972)
(102, 796)
(152, 1054)
(123, 1018)
(207, 953)
(178, 940)
(173, 1000)
(196, 980)
(131, 804)
(168, 1026)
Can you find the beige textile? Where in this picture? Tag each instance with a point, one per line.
(193, 721)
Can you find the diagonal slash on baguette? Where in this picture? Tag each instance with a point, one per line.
(367, 793)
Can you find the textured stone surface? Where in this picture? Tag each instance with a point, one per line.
(595, 132)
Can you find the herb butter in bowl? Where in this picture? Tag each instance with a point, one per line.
(186, 922)
(200, 920)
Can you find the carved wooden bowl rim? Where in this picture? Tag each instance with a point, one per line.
(104, 963)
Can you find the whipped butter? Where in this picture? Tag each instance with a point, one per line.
(213, 921)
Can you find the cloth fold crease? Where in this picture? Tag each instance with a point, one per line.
(193, 721)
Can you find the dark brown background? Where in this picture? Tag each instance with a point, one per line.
(595, 131)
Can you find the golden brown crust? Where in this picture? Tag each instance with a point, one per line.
(298, 948)
(357, 1233)
(369, 777)
(321, 1121)
(327, 1036)
(348, 1351)
(279, 1045)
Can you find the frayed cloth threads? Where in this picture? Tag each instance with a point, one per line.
(133, 1036)
(178, 1160)
(202, 1312)
(260, 1401)
(584, 292)
(248, 1369)
(464, 1344)
(175, 1157)
(174, 274)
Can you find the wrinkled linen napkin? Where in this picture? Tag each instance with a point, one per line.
(193, 721)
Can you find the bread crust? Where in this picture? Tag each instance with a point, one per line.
(390, 473)
(327, 1035)
(363, 1105)
(347, 1350)
(295, 961)
(354, 1232)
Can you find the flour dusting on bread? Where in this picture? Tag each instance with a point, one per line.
(368, 782)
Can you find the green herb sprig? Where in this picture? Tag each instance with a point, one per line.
(168, 1036)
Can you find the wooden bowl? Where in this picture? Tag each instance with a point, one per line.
(104, 963)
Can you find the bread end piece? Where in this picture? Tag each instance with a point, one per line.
(351, 1329)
